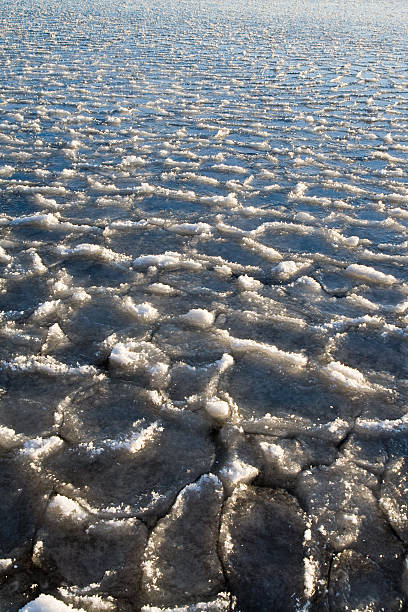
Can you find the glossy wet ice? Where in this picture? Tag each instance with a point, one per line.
(204, 297)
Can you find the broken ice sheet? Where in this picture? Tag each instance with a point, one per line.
(203, 306)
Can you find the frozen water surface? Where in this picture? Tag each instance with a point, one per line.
(204, 306)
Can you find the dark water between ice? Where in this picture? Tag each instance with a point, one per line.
(204, 306)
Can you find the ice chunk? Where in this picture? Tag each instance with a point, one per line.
(46, 220)
(66, 508)
(229, 169)
(93, 251)
(168, 260)
(6, 170)
(247, 283)
(48, 603)
(141, 358)
(9, 438)
(45, 365)
(145, 312)
(190, 229)
(286, 269)
(370, 275)
(4, 257)
(217, 408)
(347, 377)
(176, 572)
(220, 604)
(161, 289)
(236, 472)
(199, 317)
(229, 200)
(38, 448)
(132, 161)
(55, 338)
(267, 252)
(262, 548)
(41, 200)
(311, 575)
(309, 284)
(47, 309)
(269, 351)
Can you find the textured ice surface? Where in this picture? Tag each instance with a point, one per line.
(203, 306)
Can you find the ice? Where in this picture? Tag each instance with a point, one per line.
(40, 447)
(6, 170)
(311, 570)
(201, 179)
(269, 253)
(370, 275)
(361, 302)
(141, 357)
(217, 408)
(345, 376)
(44, 202)
(268, 559)
(283, 458)
(9, 438)
(66, 509)
(45, 365)
(48, 603)
(385, 427)
(37, 264)
(46, 309)
(229, 169)
(93, 251)
(268, 351)
(161, 289)
(46, 220)
(169, 566)
(199, 317)
(4, 257)
(286, 269)
(237, 472)
(132, 160)
(247, 283)
(308, 284)
(229, 201)
(55, 338)
(144, 312)
(203, 306)
(166, 260)
(221, 604)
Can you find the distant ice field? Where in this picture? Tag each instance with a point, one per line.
(203, 306)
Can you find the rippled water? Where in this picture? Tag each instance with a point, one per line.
(204, 298)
